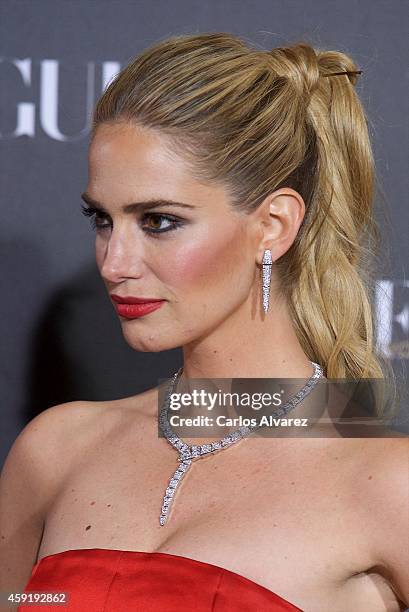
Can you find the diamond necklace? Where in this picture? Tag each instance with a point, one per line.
(187, 453)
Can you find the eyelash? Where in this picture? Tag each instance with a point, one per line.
(94, 214)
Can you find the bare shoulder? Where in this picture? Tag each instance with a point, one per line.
(379, 471)
(57, 431)
(46, 436)
(43, 455)
(390, 461)
(381, 499)
(393, 545)
(45, 448)
(50, 443)
(60, 431)
(32, 472)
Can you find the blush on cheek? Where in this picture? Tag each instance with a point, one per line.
(201, 262)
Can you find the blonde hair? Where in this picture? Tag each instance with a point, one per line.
(254, 121)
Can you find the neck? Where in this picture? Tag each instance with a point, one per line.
(246, 346)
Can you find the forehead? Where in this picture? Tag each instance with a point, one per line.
(127, 160)
(134, 148)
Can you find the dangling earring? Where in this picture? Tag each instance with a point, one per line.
(267, 265)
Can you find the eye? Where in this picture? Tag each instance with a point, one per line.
(97, 218)
(173, 223)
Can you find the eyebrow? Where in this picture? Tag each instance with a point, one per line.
(131, 208)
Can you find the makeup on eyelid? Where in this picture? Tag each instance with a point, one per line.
(96, 214)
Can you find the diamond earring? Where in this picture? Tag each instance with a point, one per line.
(267, 265)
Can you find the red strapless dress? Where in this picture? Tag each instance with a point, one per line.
(106, 580)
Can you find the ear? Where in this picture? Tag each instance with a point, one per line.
(279, 217)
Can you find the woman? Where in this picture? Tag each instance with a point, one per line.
(206, 157)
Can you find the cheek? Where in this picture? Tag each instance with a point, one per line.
(203, 261)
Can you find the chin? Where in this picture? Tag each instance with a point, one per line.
(149, 343)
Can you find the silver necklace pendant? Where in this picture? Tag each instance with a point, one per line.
(188, 454)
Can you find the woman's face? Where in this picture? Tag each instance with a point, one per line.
(199, 259)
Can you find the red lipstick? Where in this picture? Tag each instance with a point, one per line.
(133, 307)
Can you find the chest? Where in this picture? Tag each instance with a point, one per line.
(276, 511)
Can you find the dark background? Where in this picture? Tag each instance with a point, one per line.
(60, 337)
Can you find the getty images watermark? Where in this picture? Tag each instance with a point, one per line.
(209, 401)
(213, 408)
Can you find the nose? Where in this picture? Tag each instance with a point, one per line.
(120, 258)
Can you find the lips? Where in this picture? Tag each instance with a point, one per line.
(132, 307)
(128, 299)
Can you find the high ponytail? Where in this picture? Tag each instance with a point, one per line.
(256, 121)
(331, 300)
